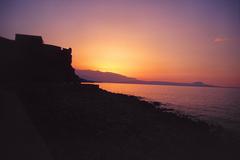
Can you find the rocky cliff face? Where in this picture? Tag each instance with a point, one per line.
(28, 59)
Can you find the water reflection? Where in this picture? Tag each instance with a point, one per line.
(216, 105)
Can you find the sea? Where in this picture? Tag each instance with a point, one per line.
(218, 106)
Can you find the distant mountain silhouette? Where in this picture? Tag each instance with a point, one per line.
(98, 76)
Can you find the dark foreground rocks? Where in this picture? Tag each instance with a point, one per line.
(87, 123)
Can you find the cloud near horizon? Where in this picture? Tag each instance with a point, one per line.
(221, 40)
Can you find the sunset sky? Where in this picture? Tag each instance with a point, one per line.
(167, 40)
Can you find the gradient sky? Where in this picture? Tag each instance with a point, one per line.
(171, 40)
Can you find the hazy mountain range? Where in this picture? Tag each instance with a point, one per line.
(98, 76)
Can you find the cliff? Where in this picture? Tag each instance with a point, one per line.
(28, 59)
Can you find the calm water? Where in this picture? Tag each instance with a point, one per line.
(215, 105)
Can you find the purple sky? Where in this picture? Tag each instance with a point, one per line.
(187, 40)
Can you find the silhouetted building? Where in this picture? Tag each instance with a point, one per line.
(28, 59)
(28, 39)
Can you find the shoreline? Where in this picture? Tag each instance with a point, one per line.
(231, 132)
(77, 121)
(168, 105)
(210, 86)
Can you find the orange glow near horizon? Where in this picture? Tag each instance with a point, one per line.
(138, 57)
(149, 40)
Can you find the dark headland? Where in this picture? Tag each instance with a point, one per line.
(109, 77)
(48, 114)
